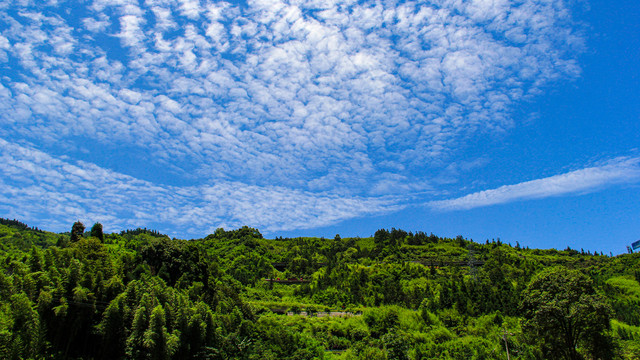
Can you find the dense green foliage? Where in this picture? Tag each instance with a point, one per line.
(138, 294)
(562, 310)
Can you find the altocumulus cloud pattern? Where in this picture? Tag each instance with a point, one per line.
(281, 115)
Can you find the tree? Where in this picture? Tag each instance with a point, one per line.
(155, 337)
(96, 231)
(112, 329)
(76, 231)
(134, 345)
(26, 339)
(397, 345)
(565, 314)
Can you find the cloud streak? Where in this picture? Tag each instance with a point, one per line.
(617, 171)
(35, 185)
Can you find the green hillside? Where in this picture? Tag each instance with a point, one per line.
(139, 294)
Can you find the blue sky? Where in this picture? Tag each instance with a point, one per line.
(511, 119)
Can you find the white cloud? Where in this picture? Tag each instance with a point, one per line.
(131, 32)
(400, 80)
(617, 171)
(96, 25)
(35, 183)
(190, 8)
(322, 96)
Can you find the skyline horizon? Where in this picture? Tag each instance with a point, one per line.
(487, 119)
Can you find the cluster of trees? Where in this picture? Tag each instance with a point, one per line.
(87, 301)
(17, 224)
(138, 294)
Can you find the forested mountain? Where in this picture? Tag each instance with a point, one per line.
(139, 294)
